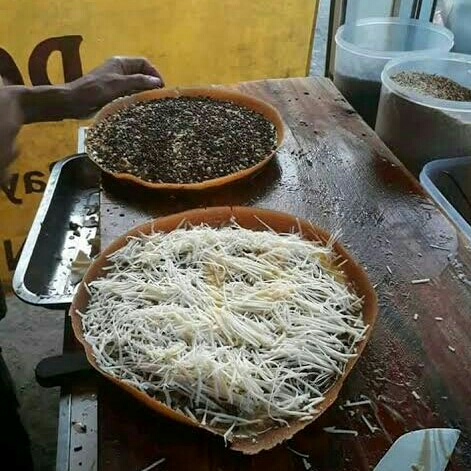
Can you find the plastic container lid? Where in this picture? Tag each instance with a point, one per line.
(392, 37)
(456, 67)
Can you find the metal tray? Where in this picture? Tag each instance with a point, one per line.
(66, 222)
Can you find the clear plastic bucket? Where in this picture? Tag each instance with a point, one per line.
(419, 128)
(448, 181)
(457, 17)
(364, 48)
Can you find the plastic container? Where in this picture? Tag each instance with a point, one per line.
(448, 181)
(419, 128)
(364, 48)
(457, 17)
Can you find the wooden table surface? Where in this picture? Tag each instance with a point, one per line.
(336, 172)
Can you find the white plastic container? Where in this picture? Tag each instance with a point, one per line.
(419, 128)
(364, 48)
(448, 181)
(457, 17)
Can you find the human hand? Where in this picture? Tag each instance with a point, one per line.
(10, 124)
(117, 77)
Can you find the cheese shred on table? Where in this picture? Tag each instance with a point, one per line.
(240, 330)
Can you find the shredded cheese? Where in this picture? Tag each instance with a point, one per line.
(239, 330)
(372, 428)
(421, 281)
(438, 247)
(366, 402)
(154, 465)
(307, 465)
(298, 453)
(340, 431)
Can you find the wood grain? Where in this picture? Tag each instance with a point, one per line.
(334, 171)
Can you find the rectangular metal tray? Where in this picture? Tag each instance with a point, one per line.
(65, 223)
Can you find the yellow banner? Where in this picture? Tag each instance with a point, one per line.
(190, 41)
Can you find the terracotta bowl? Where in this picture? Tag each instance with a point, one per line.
(250, 218)
(242, 99)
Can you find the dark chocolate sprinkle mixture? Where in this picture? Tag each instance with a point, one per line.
(181, 140)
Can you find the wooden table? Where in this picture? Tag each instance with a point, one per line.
(335, 171)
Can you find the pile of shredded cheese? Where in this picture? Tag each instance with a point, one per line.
(239, 330)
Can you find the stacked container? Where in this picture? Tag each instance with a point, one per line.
(457, 17)
(418, 127)
(364, 48)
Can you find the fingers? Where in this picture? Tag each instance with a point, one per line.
(137, 82)
(138, 65)
(117, 77)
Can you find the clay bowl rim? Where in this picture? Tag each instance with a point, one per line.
(253, 218)
(216, 93)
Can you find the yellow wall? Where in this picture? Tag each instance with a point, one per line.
(190, 41)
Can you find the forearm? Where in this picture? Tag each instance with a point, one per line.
(81, 98)
(46, 103)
